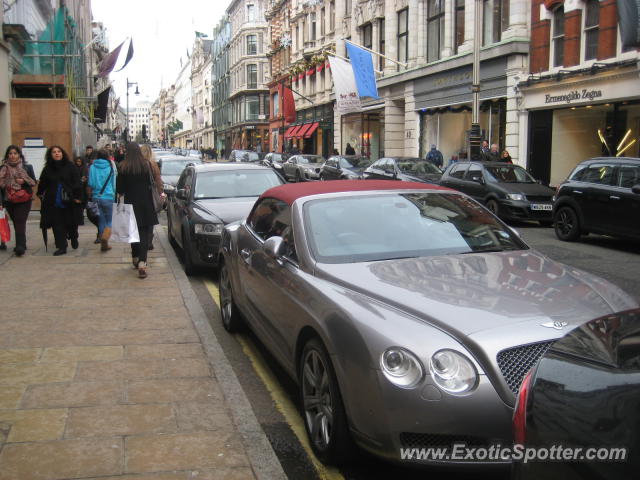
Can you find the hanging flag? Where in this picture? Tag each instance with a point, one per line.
(347, 99)
(100, 114)
(628, 18)
(288, 106)
(129, 55)
(108, 62)
(201, 35)
(362, 65)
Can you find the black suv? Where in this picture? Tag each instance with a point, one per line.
(601, 195)
(507, 190)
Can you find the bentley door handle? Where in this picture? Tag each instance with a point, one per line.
(578, 191)
(614, 197)
(245, 253)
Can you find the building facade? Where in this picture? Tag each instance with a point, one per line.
(5, 90)
(201, 96)
(182, 103)
(221, 86)
(139, 122)
(248, 71)
(581, 98)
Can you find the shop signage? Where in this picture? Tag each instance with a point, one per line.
(573, 95)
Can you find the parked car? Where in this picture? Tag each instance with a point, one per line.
(171, 167)
(207, 198)
(302, 168)
(246, 156)
(412, 293)
(507, 190)
(584, 392)
(409, 169)
(344, 167)
(275, 161)
(601, 195)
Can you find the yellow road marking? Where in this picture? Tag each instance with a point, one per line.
(280, 398)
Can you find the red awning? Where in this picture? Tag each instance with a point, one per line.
(294, 132)
(289, 131)
(313, 128)
(303, 130)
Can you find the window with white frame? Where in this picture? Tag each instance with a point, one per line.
(252, 44)
(347, 8)
(403, 35)
(435, 29)
(332, 16)
(557, 37)
(591, 29)
(381, 45)
(251, 13)
(312, 26)
(252, 76)
(253, 107)
(322, 21)
(495, 20)
(367, 36)
(458, 18)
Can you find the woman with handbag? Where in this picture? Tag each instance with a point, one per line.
(102, 191)
(16, 183)
(60, 189)
(135, 182)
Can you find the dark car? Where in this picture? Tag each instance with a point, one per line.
(601, 195)
(206, 199)
(245, 156)
(171, 168)
(585, 393)
(345, 167)
(409, 169)
(507, 190)
(275, 161)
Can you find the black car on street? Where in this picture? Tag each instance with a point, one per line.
(409, 169)
(208, 197)
(601, 195)
(344, 167)
(509, 191)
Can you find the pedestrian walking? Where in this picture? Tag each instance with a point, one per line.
(83, 171)
(349, 150)
(493, 155)
(485, 147)
(60, 190)
(16, 191)
(88, 154)
(435, 156)
(157, 178)
(505, 157)
(134, 184)
(102, 190)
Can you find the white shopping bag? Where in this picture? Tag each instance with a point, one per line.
(123, 224)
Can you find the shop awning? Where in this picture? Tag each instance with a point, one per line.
(288, 133)
(312, 128)
(303, 129)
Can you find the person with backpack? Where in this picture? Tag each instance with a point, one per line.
(435, 156)
(17, 180)
(102, 190)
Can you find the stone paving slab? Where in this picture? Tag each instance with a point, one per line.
(105, 376)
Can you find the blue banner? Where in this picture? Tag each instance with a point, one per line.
(362, 65)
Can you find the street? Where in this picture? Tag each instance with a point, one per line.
(273, 394)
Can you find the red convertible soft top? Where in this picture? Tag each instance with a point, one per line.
(289, 193)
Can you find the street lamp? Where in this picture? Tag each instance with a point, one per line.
(475, 136)
(137, 92)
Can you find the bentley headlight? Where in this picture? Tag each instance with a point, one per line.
(452, 371)
(515, 196)
(401, 367)
(208, 228)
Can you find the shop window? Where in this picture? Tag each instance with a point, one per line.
(459, 24)
(435, 29)
(381, 46)
(367, 36)
(403, 35)
(496, 20)
(252, 44)
(558, 37)
(591, 29)
(253, 107)
(252, 76)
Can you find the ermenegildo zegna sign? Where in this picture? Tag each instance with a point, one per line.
(569, 97)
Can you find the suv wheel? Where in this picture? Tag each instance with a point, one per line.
(567, 225)
(494, 207)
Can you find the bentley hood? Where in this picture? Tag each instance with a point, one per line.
(472, 293)
(227, 209)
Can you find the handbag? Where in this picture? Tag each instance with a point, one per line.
(123, 224)
(18, 195)
(158, 201)
(5, 232)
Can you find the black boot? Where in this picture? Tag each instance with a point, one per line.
(21, 244)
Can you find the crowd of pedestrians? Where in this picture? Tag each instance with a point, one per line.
(66, 188)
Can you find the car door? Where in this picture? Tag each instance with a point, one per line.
(625, 205)
(594, 197)
(456, 174)
(375, 171)
(289, 167)
(329, 169)
(473, 183)
(181, 207)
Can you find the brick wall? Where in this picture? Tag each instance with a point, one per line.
(540, 39)
(572, 37)
(607, 38)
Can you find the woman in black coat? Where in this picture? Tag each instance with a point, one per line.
(60, 190)
(134, 182)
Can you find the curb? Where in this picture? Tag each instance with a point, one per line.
(263, 459)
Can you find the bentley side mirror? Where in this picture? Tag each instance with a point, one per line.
(181, 194)
(274, 247)
(636, 189)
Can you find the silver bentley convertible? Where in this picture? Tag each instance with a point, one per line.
(407, 313)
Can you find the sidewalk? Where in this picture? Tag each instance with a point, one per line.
(106, 375)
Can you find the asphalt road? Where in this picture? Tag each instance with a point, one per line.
(273, 394)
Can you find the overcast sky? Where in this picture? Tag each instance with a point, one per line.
(162, 31)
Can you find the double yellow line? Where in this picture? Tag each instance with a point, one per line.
(280, 398)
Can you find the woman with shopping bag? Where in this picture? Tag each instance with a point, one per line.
(16, 188)
(134, 183)
(102, 191)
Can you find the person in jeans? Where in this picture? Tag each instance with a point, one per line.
(134, 183)
(17, 175)
(102, 190)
